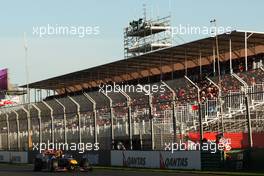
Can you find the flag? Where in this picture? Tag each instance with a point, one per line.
(8, 102)
(195, 107)
(5, 102)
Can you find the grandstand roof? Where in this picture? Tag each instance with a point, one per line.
(156, 62)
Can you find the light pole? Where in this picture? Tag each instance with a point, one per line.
(26, 68)
(219, 74)
(28, 91)
(217, 49)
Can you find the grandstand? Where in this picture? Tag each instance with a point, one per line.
(199, 100)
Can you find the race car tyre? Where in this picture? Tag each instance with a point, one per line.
(86, 166)
(37, 165)
(54, 165)
(71, 167)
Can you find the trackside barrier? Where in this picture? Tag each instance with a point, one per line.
(192, 160)
(4, 157)
(157, 159)
(98, 158)
(13, 157)
(19, 157)
(180, 160)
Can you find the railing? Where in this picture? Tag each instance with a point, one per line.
(187, 118)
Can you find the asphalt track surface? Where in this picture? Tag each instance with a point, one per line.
(18, 170)
(26, 170)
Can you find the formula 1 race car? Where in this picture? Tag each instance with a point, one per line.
(55, 161)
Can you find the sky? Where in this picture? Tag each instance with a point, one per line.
(53, 55)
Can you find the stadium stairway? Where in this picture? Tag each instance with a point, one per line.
(234, 119)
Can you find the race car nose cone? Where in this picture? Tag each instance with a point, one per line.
(73, 162)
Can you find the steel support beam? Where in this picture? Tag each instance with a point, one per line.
(94, 115)
(39, 122)
(130, 132)
(64, 121)
(247, 103)
(220, 102)
(150, 117)
(112, 119)
(241, 81)
(174, 116)
(79, 118)
(8, 131)
(151, 122)
(230, 56)
(249, 126)
(28, 126)
(246, 48)
(18, 130)
(52, 120)
(200, 109)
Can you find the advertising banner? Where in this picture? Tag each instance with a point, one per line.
(3, 79)
(4, 156)
(145, 159)
(180, 160)
(157, 159)
(19, 157)
(100, 157)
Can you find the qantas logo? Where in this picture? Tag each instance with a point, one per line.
(173, 162)
(133, 161)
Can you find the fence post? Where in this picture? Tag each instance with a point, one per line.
(79, 118)
(28, 125)
(40, 123)
(112, 119)
(130, 133)
(94, 115)
(199, 104)
(150, 117)
(8, 131)
(250, 141)
(174, 117)
(52, 121)
(18, 130)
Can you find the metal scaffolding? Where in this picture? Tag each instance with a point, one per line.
(142, 36)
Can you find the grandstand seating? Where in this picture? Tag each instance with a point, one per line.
(118, 100)
(186, 111)
(228, 83)
(185, 91)
(254, 76)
